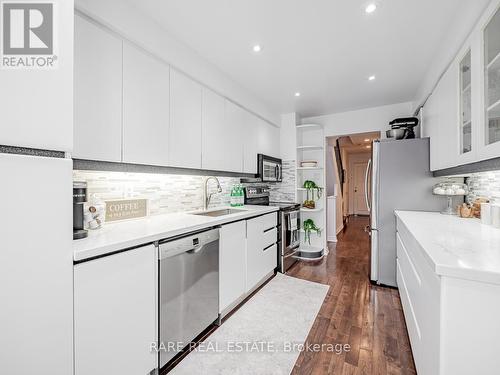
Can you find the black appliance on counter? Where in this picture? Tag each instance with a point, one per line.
(288, 224)
(269, 169)
(79, 199)
(402, 128)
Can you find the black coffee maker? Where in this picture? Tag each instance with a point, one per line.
(79, 199)
(405, 126)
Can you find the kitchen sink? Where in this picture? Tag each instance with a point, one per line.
(227, 211)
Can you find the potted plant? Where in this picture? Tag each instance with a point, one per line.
(309, 226)
(312, 189)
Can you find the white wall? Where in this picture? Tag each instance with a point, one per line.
(464, 21)
(361, 121)
(130, 23)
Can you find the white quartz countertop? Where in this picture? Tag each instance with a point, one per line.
(456, 247)
(122, 235)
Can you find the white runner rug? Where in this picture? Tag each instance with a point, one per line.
(264, 336)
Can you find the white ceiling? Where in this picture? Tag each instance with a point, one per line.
(326, 49)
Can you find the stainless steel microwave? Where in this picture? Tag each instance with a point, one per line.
(269, 168)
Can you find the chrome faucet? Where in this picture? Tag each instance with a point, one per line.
(209, 196)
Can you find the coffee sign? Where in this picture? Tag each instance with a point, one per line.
(126, 209)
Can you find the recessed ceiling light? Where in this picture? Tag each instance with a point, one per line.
(297, 94)
(371, 8)
(257, 48)
(367, 140)
(368, 146)
(371, 78)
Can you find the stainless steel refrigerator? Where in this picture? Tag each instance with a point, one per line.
(400, 179)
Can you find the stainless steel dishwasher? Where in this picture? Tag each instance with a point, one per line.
(188, 290)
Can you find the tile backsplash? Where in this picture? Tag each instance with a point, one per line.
(484, 184)
(168, 193)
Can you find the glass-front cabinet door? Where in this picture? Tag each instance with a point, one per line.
(466, 104)
(492, 79)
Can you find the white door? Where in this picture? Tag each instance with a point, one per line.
(98, 93)
(232, 264)
(185, 121)
(145, 108)
(359, 200)
(115, 302)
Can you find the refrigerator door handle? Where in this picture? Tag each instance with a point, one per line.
(367, 174)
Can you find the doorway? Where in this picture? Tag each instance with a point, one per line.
(347, 159)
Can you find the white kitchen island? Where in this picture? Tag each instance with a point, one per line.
(448, 273)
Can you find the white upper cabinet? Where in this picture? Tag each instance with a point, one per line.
(145, 108)
(184, 144)
(465, 81)
(37, 104)
(490, 111)
(465, 106)
(222, 141)
(431, 129)
(447, 93)
(97, 93)
(260, 138)
(132, 107)
(250, 145)
(268, 139)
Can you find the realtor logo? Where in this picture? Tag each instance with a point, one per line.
(28, 40)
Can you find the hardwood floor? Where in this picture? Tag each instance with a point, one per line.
(368, 318)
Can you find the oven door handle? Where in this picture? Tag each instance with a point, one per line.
(291, 254)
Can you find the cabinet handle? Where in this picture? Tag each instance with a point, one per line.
(268, 247)
(269, 229)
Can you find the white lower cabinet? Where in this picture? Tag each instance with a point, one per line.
(232, 265)
(452, 322)
(262, 250)
(115, 303)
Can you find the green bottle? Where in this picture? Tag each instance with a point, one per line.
(241, 196)
(233, 197)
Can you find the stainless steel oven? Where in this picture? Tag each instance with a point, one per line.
(269, 168)
(289, 241)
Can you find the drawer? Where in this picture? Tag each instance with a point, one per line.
(270, 259)
(269, 237)
(413, 282)
(420, 291)
(268, 221)
(409, 312)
